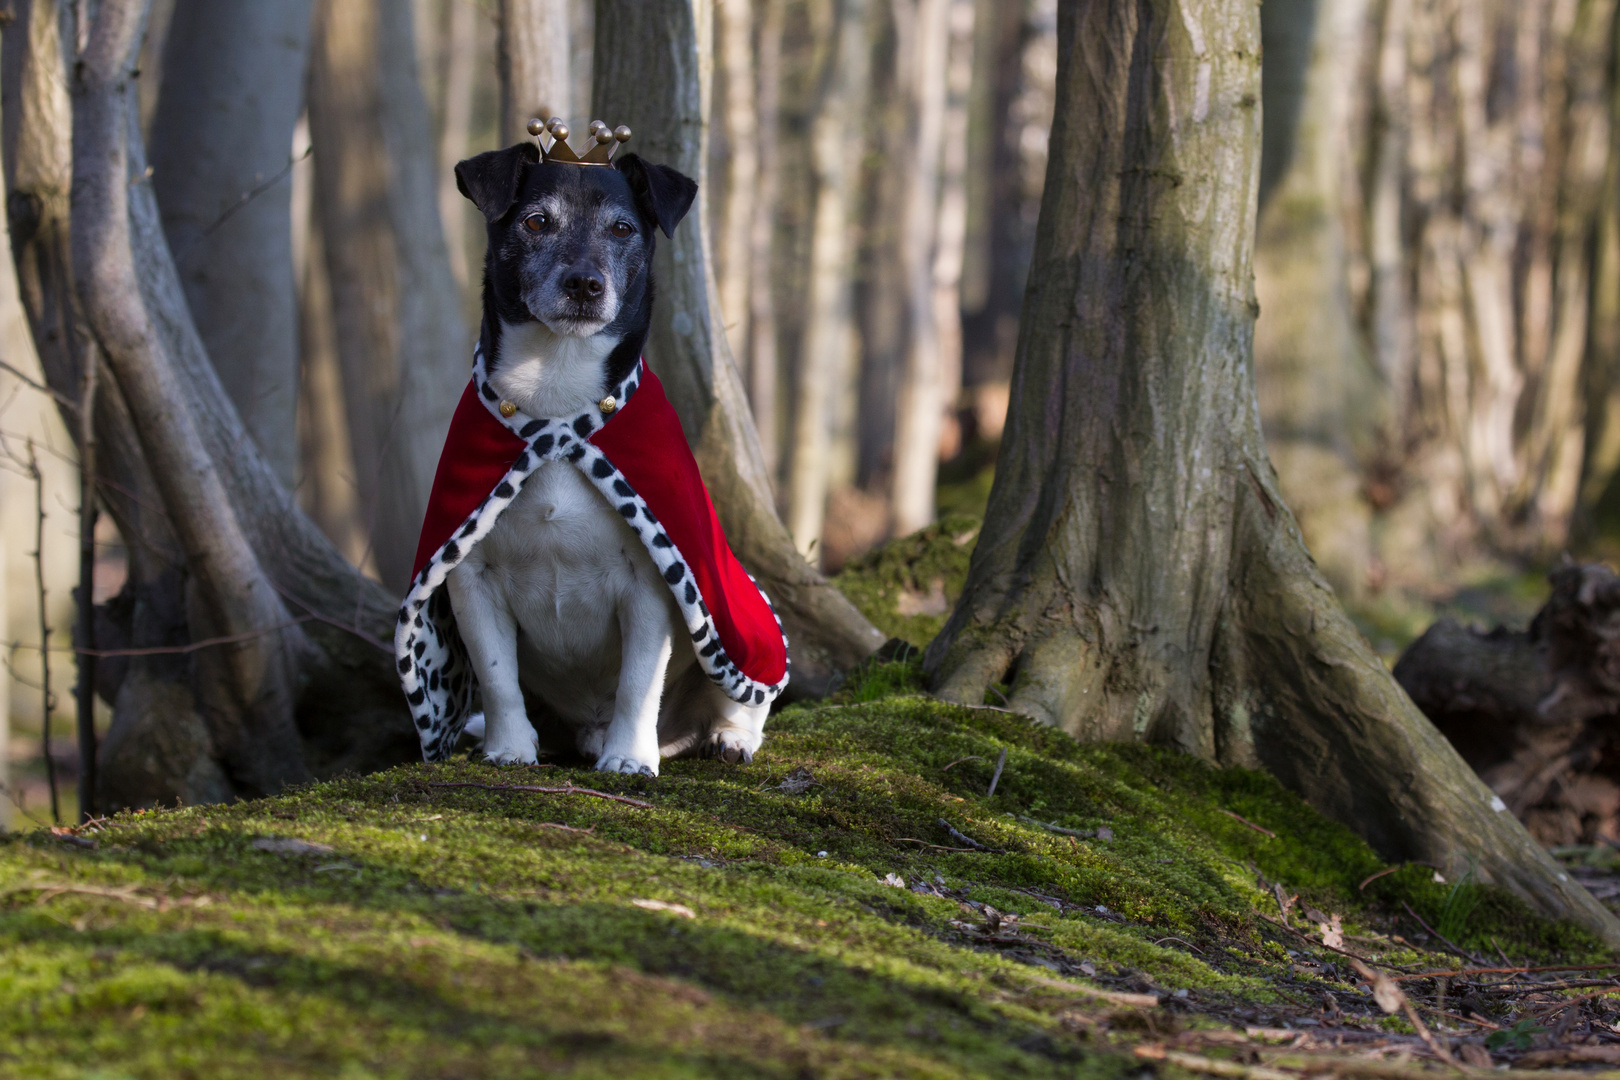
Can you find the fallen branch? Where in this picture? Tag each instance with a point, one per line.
(1210, 1066)
(1113, 997)
(569, 790)
(1250, 824)
(1561, 1006)
(49, 890)
(1391, 999)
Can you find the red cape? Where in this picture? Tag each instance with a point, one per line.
(644, 441)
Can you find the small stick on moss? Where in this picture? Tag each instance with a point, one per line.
(1500, 951)
(965, 839)
(924, 843)
(958, 761)
(1001, 763)
(569, 790)
(1390, 870)
(1184, 941)
(1250, 824)
(1459, 950)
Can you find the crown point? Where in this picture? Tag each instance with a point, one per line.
(621, 133)
(597, 125)
(536, 127)
(603, 135)
(559, 130)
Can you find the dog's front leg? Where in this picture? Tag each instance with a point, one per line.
(632, 736)
(489, 630)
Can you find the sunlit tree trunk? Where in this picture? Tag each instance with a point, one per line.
(461, 41)
(652, 72)
(825, 358)
(215, 541)
(404, 350)
(233, 88)
(762, 355)
(534, 53)
(1139, 575)
(950, 233)
(921, 401)
(735, 240)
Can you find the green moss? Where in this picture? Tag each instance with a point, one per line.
(908, 586)
(740, 925)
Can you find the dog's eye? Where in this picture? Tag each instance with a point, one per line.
(536, 222)
(621, 229)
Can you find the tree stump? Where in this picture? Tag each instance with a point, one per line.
(1535, 712)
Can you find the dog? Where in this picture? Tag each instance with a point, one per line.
(565, 614)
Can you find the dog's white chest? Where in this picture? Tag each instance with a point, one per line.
(562, 560)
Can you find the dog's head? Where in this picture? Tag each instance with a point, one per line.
(569, 245)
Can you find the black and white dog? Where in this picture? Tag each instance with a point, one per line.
(564, 613)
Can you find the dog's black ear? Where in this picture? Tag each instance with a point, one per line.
(491, 180)
(663, 194)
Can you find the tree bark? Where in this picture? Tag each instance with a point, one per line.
(534, 53)
(651, 72)
(461, 42)
(173, 725)
(233, 88)
(921, 401)
(404, 350)
(734, 242)
(836, 147)
(1139, 576)
(762, 355)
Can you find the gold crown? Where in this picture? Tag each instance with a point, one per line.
(604, 141)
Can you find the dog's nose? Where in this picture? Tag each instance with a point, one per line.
(582, 284)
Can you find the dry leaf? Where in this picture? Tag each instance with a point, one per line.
(894, 879)
(1332, 932)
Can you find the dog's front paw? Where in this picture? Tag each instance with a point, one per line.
(622, 763)
(732, 746)
(504, 746)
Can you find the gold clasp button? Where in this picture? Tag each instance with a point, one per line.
(508, 409)
(607, 404)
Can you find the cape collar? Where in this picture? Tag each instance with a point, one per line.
(527, 427)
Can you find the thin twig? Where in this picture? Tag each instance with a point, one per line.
(329, 621)
(171, 650)
(1001, 763)
(1250, 824)
(924, 843)
(1561, 1006)
(51, 889)
(1449, 944)
(1390, 870)
(44, 629)
(32, 384)
(1084, 834)
(958, 761)
(1184, 941)
(569, 790)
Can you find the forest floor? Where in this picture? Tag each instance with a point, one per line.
(855, 903)
(895, 887)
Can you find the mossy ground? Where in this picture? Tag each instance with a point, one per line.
(739, 926)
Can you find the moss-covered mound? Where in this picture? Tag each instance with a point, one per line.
(853, 904)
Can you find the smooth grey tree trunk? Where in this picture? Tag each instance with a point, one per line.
(186, 725)
(233, 87)
(534, 66)
(651, 72)
(405, 352)
(1139, 575)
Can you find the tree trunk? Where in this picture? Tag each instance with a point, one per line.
(734, 243)
(175, 724)
(651, 72)
(921, 401)
(835, 148)
(404, 350)
(950, 232)
(233, 88)
(762, 356)
(534, 52)
(1320, 397)
(454, 131)
(1139, 576)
